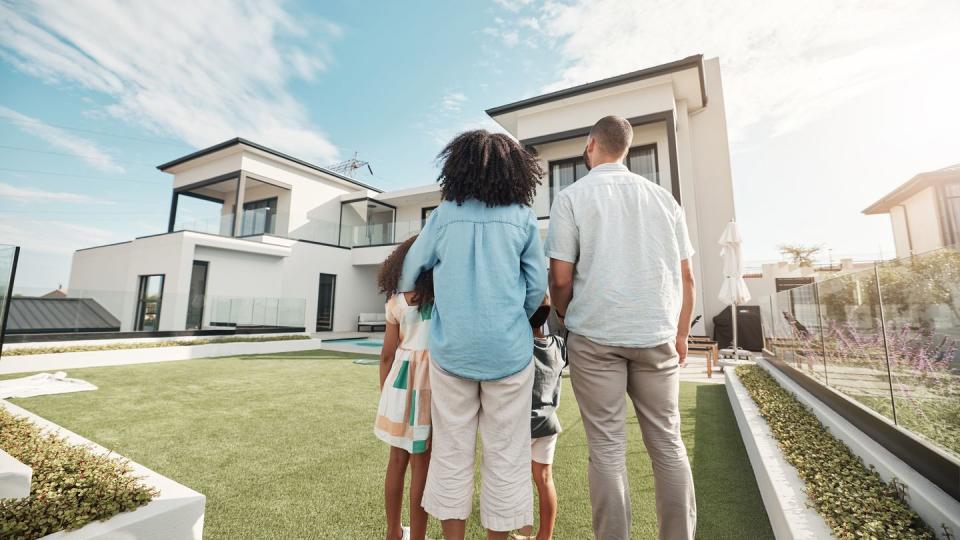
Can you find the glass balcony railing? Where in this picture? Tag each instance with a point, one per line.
(8, 268)
(383, 233)
(247, 311)
(222, 225)
(886, 337)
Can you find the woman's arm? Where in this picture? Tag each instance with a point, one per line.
(422, 254)
(534, 267)
(391, 340)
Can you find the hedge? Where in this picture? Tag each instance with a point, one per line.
(147, 345)
(853, 500)
(72, 486)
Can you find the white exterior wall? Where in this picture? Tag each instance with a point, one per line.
(901, 239)
(209, 167)
(923, 216)
(627, 101)
(708, 198)
(100, 274)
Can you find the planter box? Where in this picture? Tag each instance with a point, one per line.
(933, 504)
(74, 360)
(175, 514)
(780, 486)
(14, 477)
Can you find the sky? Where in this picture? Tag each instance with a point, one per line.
(830, 104)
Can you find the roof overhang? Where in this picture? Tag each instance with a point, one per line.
(239, 143)
(686, 76)
(913, 186)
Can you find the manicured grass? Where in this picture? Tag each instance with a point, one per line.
(282, 446)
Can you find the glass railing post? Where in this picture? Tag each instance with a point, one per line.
(886, 345)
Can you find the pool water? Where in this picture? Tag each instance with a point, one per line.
(360, 342)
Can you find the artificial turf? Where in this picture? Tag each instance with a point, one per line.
(282, 447)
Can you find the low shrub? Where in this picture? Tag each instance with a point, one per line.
(72, 486)
(148, 345)
(853, 500)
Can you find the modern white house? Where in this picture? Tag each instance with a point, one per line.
(924, 211)
(256, 237)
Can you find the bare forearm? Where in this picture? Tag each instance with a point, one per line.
(686, 309)
(560, 297)
(386, 361)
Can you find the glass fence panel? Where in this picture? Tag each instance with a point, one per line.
(292, 312)
(797, 331)
(222, 226)
(265, 311)
(766, 322)
(8, 259)
(855, 347)
(921, 312)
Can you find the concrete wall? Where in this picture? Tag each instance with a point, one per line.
(100, 274)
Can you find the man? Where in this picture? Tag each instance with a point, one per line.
(622, 284)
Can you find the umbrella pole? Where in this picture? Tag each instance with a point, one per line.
(733, 308)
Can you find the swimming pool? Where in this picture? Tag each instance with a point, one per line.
(360, 342)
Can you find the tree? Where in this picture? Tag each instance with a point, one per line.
(800, 254)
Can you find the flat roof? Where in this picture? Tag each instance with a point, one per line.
(240, 140)
(695, 61)
(913, 186)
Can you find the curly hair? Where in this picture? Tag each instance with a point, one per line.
(388, 278)
(490, 167)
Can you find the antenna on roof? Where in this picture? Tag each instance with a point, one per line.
(350, 166)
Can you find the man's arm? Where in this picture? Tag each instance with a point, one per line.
(686, 309)
(561, 285)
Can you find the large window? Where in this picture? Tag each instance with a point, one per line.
(640, 160)
(259, 217)
(149, 299)
(950, 213)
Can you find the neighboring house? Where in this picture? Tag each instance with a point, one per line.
(304, 248)
(779, 276)
(56, 293)
(57, 315)
(924, 211)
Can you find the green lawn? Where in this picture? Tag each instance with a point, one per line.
(282, 446)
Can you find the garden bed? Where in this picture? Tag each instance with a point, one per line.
(851, 498)
(81, 490)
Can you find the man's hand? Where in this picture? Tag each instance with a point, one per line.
(682, 348)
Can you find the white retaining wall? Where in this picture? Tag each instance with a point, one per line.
(781, 488)
(934, 505)
(14, 477)
(176, 513)
(75, 360)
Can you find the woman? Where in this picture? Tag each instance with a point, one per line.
(489, 272)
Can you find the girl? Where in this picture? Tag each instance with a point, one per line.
(483, 246)
(403, 417)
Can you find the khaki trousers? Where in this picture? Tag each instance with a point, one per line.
(601, 375)
(501, 411)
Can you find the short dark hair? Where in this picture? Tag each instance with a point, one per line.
(490, 167)
(613, 133)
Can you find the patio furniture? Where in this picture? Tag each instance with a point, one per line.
(705, 345)
(372, 321)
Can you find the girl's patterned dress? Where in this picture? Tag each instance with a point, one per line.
(403, 417)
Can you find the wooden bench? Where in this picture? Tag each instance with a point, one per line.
(705, 345)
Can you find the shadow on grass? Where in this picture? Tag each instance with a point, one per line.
(722, 471)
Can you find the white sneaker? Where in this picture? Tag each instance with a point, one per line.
(406, 532)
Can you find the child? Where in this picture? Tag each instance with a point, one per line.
(403, 417)
(549, 357)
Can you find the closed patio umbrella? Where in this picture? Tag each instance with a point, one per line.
(734, 290)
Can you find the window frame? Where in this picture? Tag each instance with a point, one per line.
(579, 159)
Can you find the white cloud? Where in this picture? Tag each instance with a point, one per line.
(78, 146)
(453, 101)
(784, 64)
(52, 236)
(21, 194)
(512, 5)
(199, 71)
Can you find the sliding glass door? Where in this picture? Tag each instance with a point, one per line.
(149, 300)
(198, 289)
(325, 297)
